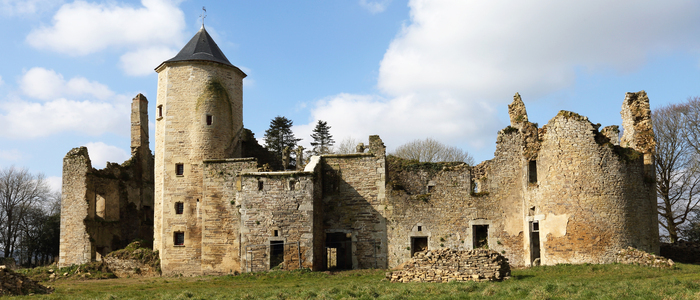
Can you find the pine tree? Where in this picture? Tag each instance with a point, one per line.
(280, 135)
(323, 140)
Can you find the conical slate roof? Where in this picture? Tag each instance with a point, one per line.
(201, 47)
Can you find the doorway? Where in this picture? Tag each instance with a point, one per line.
(534, 242)
(480, 236)
(419, 244)
(276, 253)
(339, 251)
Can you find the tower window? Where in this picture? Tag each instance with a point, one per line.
(210, 119)
(160, 111)
(179, 169)
(276, 233)
(532, 171)
(179, 238)
(260, 185)
(179, 208)
(292, 184)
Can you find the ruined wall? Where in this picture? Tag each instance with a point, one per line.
(354, 202)
(277, 207)
(104, 210)
(221, 241)
(201, 104)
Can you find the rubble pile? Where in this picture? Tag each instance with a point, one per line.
(444, 265)
(682, 251)
(633, 256)
(12, 283)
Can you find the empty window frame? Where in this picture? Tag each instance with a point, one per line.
(480, 236)
(261, 184)
(179, 169)
(160, 111)
(292, 184)
(210, 120)
(179, 208)
(532, 171)
(179, 238)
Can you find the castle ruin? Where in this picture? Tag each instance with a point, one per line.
(568, 192)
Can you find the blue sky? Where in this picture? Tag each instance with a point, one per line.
(402, 69)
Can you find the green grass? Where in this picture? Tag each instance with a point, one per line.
(547, 282)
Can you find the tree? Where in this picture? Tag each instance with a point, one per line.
(20, 193)
(677, 167)
(347, 146)
(690, 230)
(323, 140)
(430, 150)
(279, 136)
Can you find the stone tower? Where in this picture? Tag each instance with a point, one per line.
(198, 117)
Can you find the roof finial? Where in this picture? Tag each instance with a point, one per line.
(203, 15)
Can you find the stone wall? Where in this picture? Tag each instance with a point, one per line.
(354, 203)
(104, 210)
(445, 265)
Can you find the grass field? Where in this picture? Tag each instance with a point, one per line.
(548, 282)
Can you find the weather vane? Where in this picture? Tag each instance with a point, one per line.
(204, 14)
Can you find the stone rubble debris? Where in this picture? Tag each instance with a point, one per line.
(12, 283)
(631, 256)
(445, 265)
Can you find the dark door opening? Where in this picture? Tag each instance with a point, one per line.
(480, 236)
(419, 244)
(276, 253)
(338, 251)
(534, 243)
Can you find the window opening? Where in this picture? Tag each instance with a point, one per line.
(276, 253)
(179, 208)
(420, 228)
(480, 234)
(260, 185)
(160, 111)
(419, 244)
(292, 183)
(210, 119)
(276, 233)
(430, 189)
(179, 238)
(179, 169)
(532, 171)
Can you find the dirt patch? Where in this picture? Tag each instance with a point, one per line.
(12, 283)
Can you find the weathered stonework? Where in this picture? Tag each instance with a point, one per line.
(104, 210)
(562, 193)
(445, 265)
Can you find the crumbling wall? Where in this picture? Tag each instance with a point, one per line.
(354, 202)
(104, 210)
(445, 265)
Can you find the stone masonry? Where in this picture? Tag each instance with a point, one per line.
(566, 192)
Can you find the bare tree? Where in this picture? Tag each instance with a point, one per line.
(677, 167)
(430, 150)
(20, 193)
(347, 146)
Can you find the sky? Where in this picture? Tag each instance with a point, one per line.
(404, 70)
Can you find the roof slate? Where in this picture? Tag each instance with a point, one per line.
(201, 47)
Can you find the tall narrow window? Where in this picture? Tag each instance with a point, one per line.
(260, 185)
(292, 183)
(160, 111)
(179, 169)
(210, 119)
(179, 208)
(532, 171)
(179, 238)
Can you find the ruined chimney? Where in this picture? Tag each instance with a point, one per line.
(517, 112)
(139, 124)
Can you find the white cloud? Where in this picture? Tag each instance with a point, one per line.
(55, 182)
(101, 153)
(11, 155)
(26, 120)
(457, 62)
(149, 33)
(46, 84)
(82, 27)
(94, 109)
(375, 6)
(143, 61)
(25, 7)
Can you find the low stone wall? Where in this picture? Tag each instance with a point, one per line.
(444, 265)
(12, 283)
(681, 251)
(633, 256)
